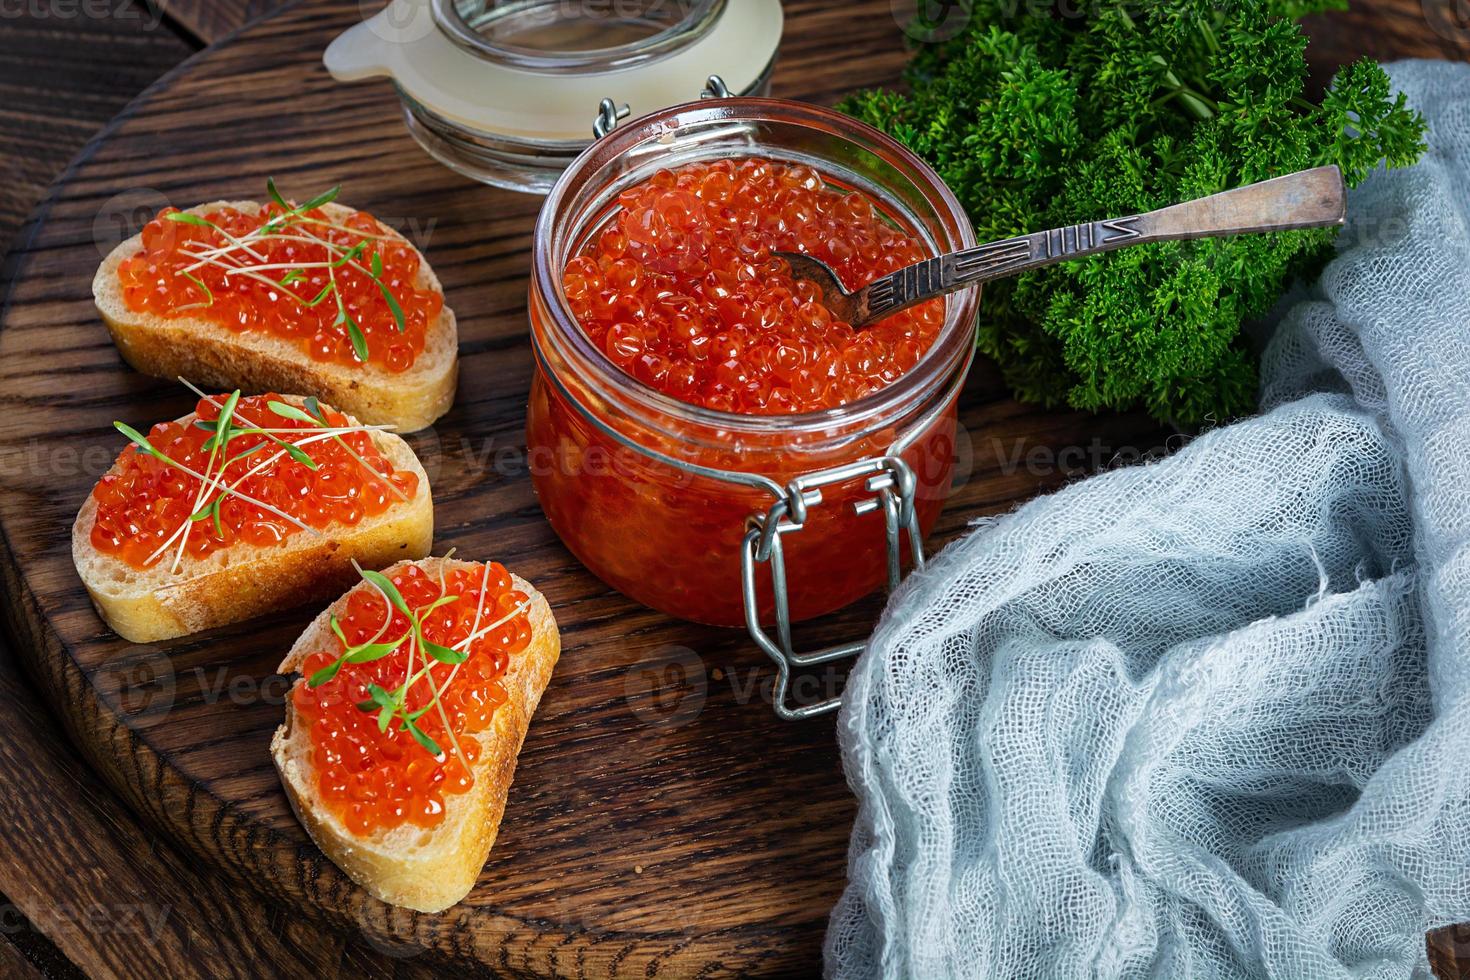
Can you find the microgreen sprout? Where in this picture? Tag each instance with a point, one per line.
(225, 457)
(393, 706)
(314, 416)
(295, 223)
(203, 287)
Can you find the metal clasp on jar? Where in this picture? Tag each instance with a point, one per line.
(609, 113)
(893, 485)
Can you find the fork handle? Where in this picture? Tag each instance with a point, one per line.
(1305, 199)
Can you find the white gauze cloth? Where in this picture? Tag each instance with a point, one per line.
(1208, 717)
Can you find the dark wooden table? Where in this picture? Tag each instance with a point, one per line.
(85, 888)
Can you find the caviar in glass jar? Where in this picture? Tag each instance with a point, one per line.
(327, 284)
(669, 287)
(682, 291)
(149, 508)
(376, 777)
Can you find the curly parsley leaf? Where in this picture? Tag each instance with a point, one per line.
(1040, 121)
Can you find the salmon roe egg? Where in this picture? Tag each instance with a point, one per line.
(373, 778)
(280, 281)
(681, 291)
(144, 504)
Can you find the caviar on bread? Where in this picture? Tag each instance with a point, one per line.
(243, 506)
(414, 694)
(316, 298)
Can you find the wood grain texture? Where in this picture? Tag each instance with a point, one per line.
(158, 917)
(61, 79)
(1449, 952)
(1386, 30)
(663, 822)
(14, 965)
(63, 73)
(212, 21)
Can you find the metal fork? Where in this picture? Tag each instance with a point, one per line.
(1305, 199)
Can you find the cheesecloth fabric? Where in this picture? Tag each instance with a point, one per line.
(1208, 717)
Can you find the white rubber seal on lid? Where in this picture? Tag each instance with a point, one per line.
(404, 43)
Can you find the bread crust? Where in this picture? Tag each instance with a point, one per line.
(213, 356)
(427, 871)
(243, 581)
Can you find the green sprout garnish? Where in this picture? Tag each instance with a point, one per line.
(391, 707)
(297, 220)
(208, 293)
(225, 455)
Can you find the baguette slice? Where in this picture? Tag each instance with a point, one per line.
(213, 356)
(424, 870)
(244, 580)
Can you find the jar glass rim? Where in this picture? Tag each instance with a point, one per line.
(467, 32)
(950, 349)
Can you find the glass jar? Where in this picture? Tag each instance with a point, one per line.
(740, 519)
(507, 91)
(559, 37)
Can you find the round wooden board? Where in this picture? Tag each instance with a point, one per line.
(663, 822)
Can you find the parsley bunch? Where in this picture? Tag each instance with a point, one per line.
(1039, 118)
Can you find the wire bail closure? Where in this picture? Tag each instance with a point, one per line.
(889, 478)
(893, 485)
(609, 113)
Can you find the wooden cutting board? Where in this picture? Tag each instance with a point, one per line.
(663, 821)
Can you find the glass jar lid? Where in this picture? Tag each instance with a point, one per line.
(507, 91)
(560, 37)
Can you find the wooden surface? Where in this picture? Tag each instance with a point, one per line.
(657, 824)
(215, 20)
(61, 78)
(87, 888)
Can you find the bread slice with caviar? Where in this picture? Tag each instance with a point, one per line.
(425, 868)
(212, 573)
(213, 355)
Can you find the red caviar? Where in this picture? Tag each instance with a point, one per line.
(682, 291)
(269, 283)
(376, 779)
(142, 505)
